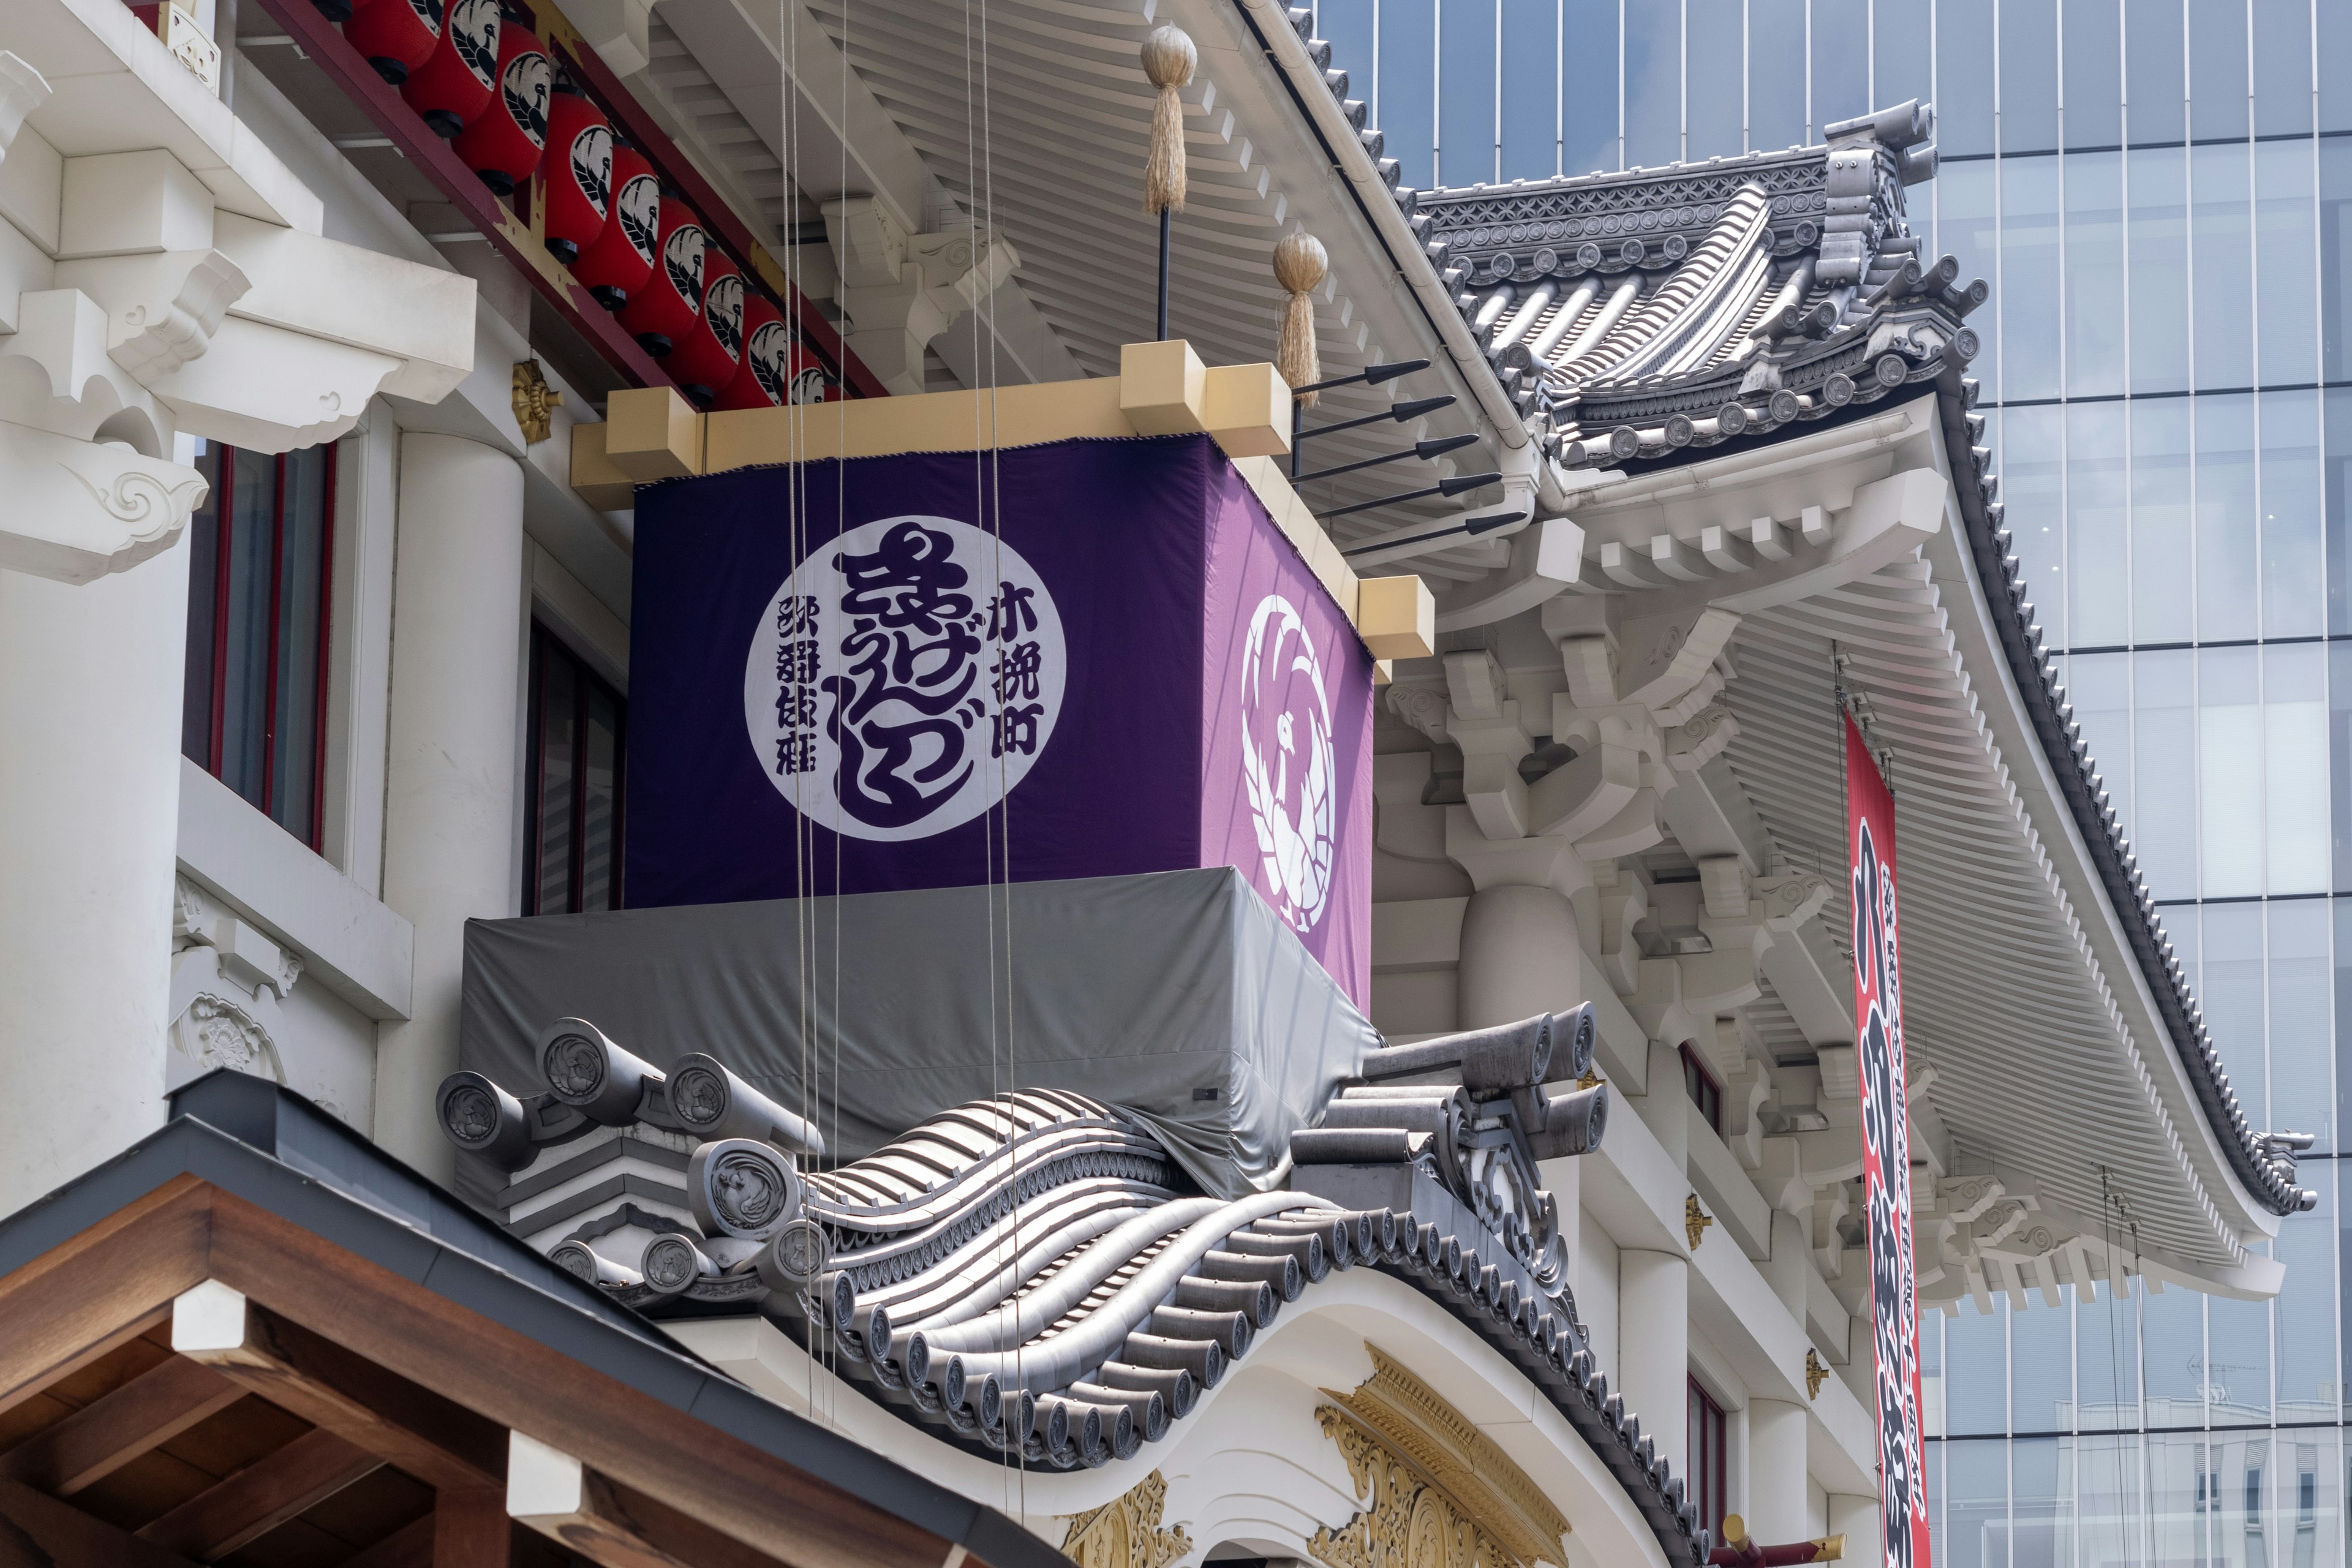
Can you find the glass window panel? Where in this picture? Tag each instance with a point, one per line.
(2172, 1328)
(2095, 73)
(1713, 90)
(2335, 28)
(2041, 1502)
(558, 743)
(2302, 1051)
(302, 596)
(1776, 73)
(1466, 98)
(2229, 783)
(1347, 26)
(2229, 985)
(2310, 1387)
(1408, 88)
(2040, 1369)
(1931, 1372)
(2337, 479)
(2099, 686)
(1841, 62)
(2107, 1377)
(2340, 913)
(1587, 63)
(2099, 526)
(2114, 1528)
(203, 607)
(2286, 242)
(2294, 770)
(2295, 584)
(1967, 227)
(2164, 787)
(1531, 89)
(2216, 69)
(2243, 1491)
(1976, 1505)
(2155, 76)
(2228, 541)
(2221, 249)
(2340, 756)
(2034, 482)
(245, 697)
(2178, 1536)
(2310, 1524)
(2282, 65)
(2029, 75)
(1653, 85)
(2157, 236)
(2095, 323)
(1975, 1399)
(1964, 47)
(2163, 596)
(1902, 51)
(600, 823)
(2335, 257)
(2030, 294)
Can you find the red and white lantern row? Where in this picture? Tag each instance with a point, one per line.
(477, 75)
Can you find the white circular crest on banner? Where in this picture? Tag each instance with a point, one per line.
(905, 678)
(1286, 762)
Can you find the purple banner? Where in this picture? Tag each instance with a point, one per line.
(838, 670)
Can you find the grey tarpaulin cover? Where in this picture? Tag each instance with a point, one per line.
(1178, 996)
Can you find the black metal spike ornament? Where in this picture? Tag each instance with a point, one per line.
(1169, 58)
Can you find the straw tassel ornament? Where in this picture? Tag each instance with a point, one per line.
(1169, 58)
(1299, 265)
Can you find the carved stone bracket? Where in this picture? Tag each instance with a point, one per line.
(1439, 1492)
(1125, 1532)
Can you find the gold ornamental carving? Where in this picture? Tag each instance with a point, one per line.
(535, 402)
(1438, 1493)
(1125, 1532)
(1695, 1220)
(1816, 1375)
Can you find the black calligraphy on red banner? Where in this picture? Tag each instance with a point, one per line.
(1885, 1156)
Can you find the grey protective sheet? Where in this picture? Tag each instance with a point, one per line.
(1177, 996)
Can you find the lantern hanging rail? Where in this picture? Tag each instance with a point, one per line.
(1458, 485)
(1424, 450)
(1370, 375)
(1400, 412)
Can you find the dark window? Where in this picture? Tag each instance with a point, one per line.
(579, 750)
(261, 559)
(1705, 1093)
(1707, 1468)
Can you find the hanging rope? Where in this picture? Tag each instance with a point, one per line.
(1169, 58)
(1299, 265)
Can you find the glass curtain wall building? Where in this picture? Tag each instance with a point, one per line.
(2160, 194)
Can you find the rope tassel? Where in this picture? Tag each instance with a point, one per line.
(1169, 58)
(1299, 265)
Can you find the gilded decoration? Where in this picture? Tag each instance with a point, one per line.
(1695, 1220)
(1125, 1532)
(1438, 1493)
(1816, 1375)
(535, 402)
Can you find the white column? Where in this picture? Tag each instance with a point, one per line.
(1856, 1518)
(450, 771)
(1776, 1472)
(1654, 1346)
(1520, 956)
(91, 680)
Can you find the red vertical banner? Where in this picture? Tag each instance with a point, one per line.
(1885, 1156)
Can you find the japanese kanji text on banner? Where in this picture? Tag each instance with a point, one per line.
(1886, 1155)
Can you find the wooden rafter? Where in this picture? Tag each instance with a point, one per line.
(109, 1432)
(259, 1497)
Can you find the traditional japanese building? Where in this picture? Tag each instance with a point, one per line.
(1330, 1033)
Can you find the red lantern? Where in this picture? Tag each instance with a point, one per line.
(450, 90)
(576, 174)
(777, 371)
(671, 302)
(619, 262)
(710, 354)
(396, 35)
(503, 145)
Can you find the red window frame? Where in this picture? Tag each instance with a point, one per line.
(223, 505)
(1708, 1456)
(1704, 1092)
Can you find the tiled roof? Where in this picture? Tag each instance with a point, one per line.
(1033, 1273)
